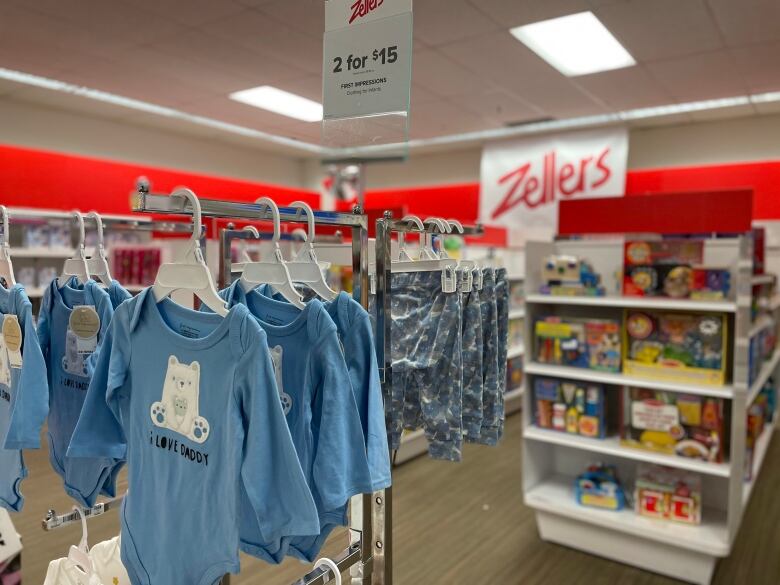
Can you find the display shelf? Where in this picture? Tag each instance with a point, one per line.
(774, 302)
(42, 252)
(556, 496)
(35, 292)
(515, 351)
(635, 302)
(766, 371)
(762, 446)
(612, 446)
(623, 380)
(513, 400)
(517, 313)
(759, 279)
(763, 322)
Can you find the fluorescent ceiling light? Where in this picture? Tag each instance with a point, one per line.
(281, 102)
(577, 44)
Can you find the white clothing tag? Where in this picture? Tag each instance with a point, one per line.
(12, 339)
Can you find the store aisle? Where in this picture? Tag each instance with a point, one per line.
(455, 525)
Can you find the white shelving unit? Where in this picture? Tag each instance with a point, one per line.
(515, 351)
(552, 460)
(517, 313)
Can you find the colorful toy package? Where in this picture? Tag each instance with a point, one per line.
(571, 407)
(760, 414)
(569, 276)
(687, 348)
(673, 423)
(514, 373)
(580, 343)
(660, 268)
(668, 494)
(599, 487)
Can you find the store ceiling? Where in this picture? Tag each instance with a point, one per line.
(469, 73)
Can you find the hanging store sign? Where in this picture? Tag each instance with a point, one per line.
(367, 66)
(523, 180)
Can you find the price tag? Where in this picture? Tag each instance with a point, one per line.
(85, 324)
(367, 66)
(12, 337)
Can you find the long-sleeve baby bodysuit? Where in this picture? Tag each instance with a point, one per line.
(23, 390)
(189, 400)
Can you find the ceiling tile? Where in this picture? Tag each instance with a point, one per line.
(420, 95)
(443, 21)
(699, 77)
(440, 118)
(747, 21)
(623, 89)
(508, 64)
(499, 107)
(71, 103)
(191, 13)
(510, 13)
(224, 109)
(759, 66)
(309, 86)
(440, 75)
(268, 37)
(661, 28)
(306, 16)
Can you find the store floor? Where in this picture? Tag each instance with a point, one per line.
(455, 524)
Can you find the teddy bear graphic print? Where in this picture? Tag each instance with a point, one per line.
(178, 409)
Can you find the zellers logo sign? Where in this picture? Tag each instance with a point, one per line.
(362, 7)
(529, 189)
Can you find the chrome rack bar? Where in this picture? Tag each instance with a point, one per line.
(322, 575)
(53, 521)
(110, 221)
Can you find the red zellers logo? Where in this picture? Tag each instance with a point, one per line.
(362, 7)
(567, 181)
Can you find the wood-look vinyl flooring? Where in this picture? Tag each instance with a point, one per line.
(454, 524)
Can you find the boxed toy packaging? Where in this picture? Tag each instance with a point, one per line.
(599, 487)
(580, 343)
(572, 407)
(569, 276)
(668, 494)
(687, 348)
(673, 423)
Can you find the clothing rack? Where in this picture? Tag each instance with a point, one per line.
(110, 221)
(367, 510)
(53, 521)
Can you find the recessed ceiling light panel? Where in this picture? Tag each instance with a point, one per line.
(576, 44)
(280, 102)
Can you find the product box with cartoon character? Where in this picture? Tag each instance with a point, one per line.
(580, 343)
(680, 347)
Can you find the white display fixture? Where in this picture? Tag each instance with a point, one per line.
(552, 459)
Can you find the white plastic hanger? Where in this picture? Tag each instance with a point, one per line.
(98, 263)
(77, 265)
(465, 267)
(6, 267)
(426, 251)
(403, 253)
(274, 270)
(190, 273)
(329, 564)
(304, 268)
(447, 266)
(79, 555)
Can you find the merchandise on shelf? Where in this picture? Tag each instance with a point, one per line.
(571, 407)
(673, 423)
(136, 265)
(515, 337)
(688, 348)
(514, 373)
(581, 343)
(569, 276)
(599, 487)
(759, 250)
(36, 236)
(59, 236)
(25, 275)
(516, 294)
(762, 346)
(760, 415)
(668, 494)
(672, 268)
(46, 274)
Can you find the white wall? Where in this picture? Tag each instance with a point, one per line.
(755, 138)
(41, 126)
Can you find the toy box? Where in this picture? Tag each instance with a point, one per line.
(710, 283)
(668, 494)
(660, 268)
(514, 373)
(580, 343)
(572, 407)
(599, 487)
(759, 415)
(687, 348)
(515, 332)
(569, 276)
(673, 423)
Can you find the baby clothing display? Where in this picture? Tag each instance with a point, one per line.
(189, 400)
(107, 562)
(22, 388)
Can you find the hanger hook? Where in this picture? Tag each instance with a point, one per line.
(99, 224)
(410, 219)
(4, 213)
(197, 224)
(80, 220)
(307, 210)
(252, 230)
(84, 542)
(454, 223)
(271, 204)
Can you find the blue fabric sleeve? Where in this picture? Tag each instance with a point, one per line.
(99, 432)
(44, 325)
(31, 403)
(361, 359)
(270, 469)
(340, 468)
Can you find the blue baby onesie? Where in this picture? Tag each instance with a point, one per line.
(189, 400)
(22, 390)
(357, 339)
(117, 293)
(69, 373)
(314, 388)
